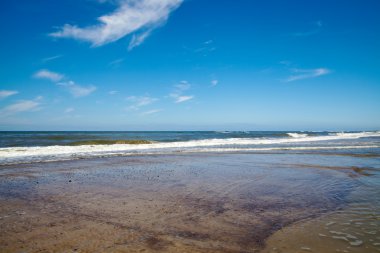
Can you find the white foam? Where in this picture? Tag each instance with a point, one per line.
(25, 154)
(356, 134)
(297, 135)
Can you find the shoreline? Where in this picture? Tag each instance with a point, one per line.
(370, 153)
(29, 147)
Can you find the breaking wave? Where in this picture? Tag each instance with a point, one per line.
(11, 155)
(297, 135)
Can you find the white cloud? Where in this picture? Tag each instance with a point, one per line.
(7, 93)
(182, 86)
(300, 74)
(181, 99)
(77, 90)
(151, 112)
(205, 48)
(47, 59)
(21, 106)
(214, 82)
(116, 63)
(69, 110)
(137, 40)
(317, 28)
(50, 75)
(140, 102)
(286, 63)
(113, 92)
(105, 1)
(179, 89)
(131, 16)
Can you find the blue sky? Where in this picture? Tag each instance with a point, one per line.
(189, 65)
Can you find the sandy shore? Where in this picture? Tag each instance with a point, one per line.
(171, 203)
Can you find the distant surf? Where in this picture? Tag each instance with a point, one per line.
(276, 141)
(297, 135)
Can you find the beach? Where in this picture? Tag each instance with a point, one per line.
(287, 200)
(181, 126)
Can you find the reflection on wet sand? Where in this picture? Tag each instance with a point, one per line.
(354, 229)
(171, 203)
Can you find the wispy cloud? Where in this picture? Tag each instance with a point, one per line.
(137, 40)
(78, 90)
(286, 63)
(182, 86)
(151, 112)
(105, 1)
(75, 89)
(179, 89)
(317, 26)
(116, 63)
(49, 75)
(130, 17)
(69, 110)
(180, 99)
(21, 106)
(138, 102)
(214, 82)
(47, 59)
(113, 92)
(299, 74)
(7, 93)
(206, 48)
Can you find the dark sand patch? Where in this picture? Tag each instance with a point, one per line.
(353, 171)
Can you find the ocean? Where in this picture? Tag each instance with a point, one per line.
(24, 147)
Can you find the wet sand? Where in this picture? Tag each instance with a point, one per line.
(174, 203)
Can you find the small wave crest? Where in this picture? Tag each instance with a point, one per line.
(297, 135)
(99, 149)
(356, 134)
(108, 142)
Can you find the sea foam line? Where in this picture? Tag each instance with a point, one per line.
(74, 156)
(23, 153)
(50, 150)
